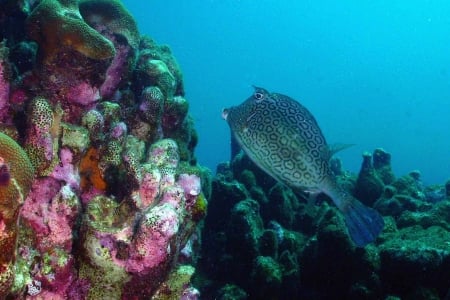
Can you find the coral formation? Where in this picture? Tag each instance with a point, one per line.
(73, 31)
(115, 198)
(16, 175)
(263, 241)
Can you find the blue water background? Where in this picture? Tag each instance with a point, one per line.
(374, 73)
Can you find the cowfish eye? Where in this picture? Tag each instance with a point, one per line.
(258, 96)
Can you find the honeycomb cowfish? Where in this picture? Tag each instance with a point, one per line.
(283, 138)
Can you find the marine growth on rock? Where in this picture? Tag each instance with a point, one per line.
(263, 241)
(97, 163)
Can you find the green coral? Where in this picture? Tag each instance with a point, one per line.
(175, 284)
(154, 72)
(94, 122)
(43, 132)
(267, 272)
(112, 155)
(74, 137)
(13, 191)
(72, 31)
(152, 100)
(113, 15)
(164, 155)
(110, 112)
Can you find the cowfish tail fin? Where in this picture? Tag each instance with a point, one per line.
(364, 223)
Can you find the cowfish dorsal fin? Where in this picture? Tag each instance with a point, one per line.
(332, 149)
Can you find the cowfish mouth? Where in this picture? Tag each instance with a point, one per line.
(225, 112)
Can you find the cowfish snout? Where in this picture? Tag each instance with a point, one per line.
(225, 112)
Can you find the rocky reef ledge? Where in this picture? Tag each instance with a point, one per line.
(100, 191)
(262, 241)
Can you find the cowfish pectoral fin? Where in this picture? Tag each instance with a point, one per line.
(364, 223)
(235, 147)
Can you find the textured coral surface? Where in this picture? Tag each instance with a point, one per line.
(262, 241)
(97, 162)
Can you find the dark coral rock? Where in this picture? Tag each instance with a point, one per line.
(281, 203)
(389, 191)
(399, 203)
(410, 185)
(447, 189)
(267, 274)
(429, 215)
(242, 162)
(231, 292)
(382, 163)
(247, 178)
(419, 259)
(268, 243)
(331, 272)
(369, 186)
(12, 19)
(24, 56)
(225, 195)
(245, 229)
(311, 247)
(435, 193)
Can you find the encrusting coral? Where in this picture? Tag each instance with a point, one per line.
(112, 15)
(16, 176)
(116, 193)
(55, 24)
(262, 241)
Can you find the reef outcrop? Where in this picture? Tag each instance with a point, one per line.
(97, 163)
(263, 241)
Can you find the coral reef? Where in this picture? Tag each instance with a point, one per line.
(106, 190)
(263, 241)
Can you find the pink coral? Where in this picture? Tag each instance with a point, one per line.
(4, 91)
(83, 93)
(18, 97)
(192, 187)
(49, 210)
(155, 236)
(149, 188)
(190, 293)
(115, 72)
(66, 171)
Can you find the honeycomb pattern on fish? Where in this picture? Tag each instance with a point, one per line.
(282, 137)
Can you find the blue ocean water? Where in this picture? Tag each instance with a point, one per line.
(374, 73)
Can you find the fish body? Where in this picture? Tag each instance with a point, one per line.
(283, 138)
